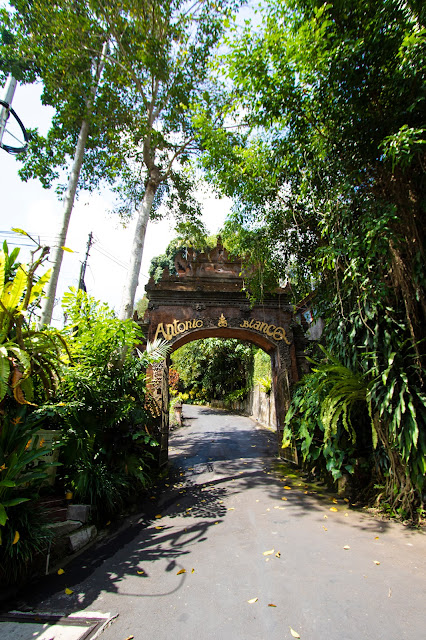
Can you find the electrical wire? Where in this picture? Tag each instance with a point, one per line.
(119, 264)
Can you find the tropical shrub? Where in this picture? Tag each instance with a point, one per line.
(101, 407)
(213, 368)
(30, 362)
(26, 537)
(339, 416)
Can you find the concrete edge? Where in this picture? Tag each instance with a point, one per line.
(100, 620)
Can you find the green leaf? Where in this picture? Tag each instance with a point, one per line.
(14, 502)
(7, 483)
(13, 294)
(20, 231)
(3, 515)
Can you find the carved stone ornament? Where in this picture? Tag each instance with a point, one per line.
(222, 321)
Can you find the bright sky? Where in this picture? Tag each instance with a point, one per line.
(39, 212)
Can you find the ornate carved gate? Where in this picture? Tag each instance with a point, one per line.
(206, 299)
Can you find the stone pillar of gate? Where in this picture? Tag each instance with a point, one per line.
(158, 393)
(285, 375)
(164, 428)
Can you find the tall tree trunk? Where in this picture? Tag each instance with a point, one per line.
(68, 201)
(129, 290)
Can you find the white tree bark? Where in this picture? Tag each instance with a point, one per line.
(69, 197)
(9, 92)
(129, 289)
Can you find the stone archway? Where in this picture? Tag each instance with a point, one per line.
(205, 298)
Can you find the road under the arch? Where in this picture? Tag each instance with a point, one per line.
(226, 524)
(236, 536)
(215, 445)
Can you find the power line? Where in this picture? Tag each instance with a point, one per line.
(14, 244)
(107, 252)
(119, 264)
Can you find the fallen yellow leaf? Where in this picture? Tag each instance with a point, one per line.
(325, 517)
(109, 522)
(159, 528)
(333, 509)
(287, 487)
(181, 571)
(129, 638)
(16, 538)
(325, 528)
(376, 538)
(141, 573)
(346, 499)
(376, 562)
(231, 508)
(192, 570)
(268, 553)
(68, 591)
(278, 554)
(294, 633)
(60, 572)
(159, 516)
(272, 605)
(334, 500)
(252, 600)
(283, 498)
(346, 515)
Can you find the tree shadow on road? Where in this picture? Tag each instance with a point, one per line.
(198, 497)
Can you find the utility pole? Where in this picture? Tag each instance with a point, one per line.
(81, 284)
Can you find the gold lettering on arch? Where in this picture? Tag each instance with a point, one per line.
(276, 333)
(175, 328)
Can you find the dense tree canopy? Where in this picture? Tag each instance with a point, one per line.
(214, 368)
(130, 72)
(325, 157)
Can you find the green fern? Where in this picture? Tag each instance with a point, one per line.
(345, 390)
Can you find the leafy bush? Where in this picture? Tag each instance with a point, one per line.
(329, 450)
(27, 357)
(101, 406)
(265, 384)
(338, 416)
(213, 368)
(25, 535)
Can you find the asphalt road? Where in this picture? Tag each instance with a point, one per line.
(235, 537)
